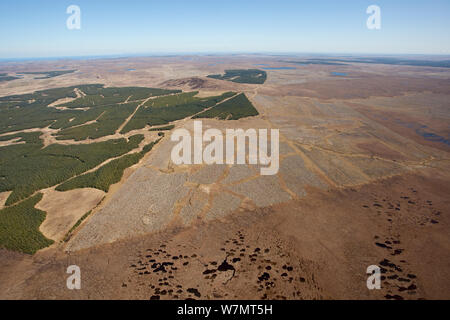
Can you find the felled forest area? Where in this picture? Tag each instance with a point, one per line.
(84, 137)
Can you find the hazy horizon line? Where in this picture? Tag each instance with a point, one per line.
(212, 53)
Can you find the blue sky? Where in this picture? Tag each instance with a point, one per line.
(37, 28)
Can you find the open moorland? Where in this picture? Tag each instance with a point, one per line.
(86, 178)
